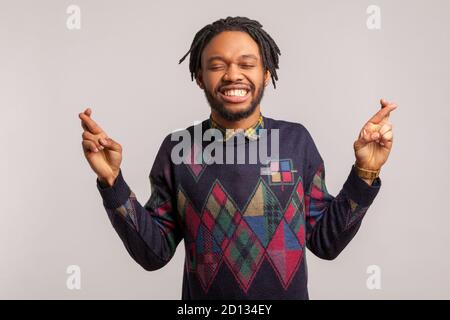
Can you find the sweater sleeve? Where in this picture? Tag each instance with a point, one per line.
(332, 222)
(150, 233)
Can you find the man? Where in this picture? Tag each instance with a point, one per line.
(245, 226)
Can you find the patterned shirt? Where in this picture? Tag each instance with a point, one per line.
(251, 133)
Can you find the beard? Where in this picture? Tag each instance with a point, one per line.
(231, 115)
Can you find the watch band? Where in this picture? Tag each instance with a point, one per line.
(367, 174)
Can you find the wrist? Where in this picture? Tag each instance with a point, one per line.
(368, 181)
(366, 167)
(107, 181)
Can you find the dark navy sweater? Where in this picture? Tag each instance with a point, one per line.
(245, 226)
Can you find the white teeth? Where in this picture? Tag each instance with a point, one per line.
(237, 92)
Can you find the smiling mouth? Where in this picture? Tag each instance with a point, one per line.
(234, 95)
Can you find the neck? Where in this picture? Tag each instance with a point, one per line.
(240, 124)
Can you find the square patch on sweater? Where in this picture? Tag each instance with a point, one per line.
(285, 165)
(276, 177)
(286, 176)
(279, 172)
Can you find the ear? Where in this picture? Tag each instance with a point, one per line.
(199, 79)
(267, 77)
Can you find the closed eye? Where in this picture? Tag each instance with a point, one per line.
(215, 68)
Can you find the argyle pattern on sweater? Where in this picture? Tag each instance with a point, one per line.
(245, 227)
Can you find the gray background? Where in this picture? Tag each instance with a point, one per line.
(124, 64)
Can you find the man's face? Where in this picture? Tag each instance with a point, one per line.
(232, 75)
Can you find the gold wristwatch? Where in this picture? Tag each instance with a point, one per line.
(367, 174)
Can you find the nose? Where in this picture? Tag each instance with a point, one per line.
(233, 74)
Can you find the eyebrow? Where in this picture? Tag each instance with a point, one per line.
(245, 56)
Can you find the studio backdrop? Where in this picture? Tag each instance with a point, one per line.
(338, 58)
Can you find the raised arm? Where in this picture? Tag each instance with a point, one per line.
(150, 233)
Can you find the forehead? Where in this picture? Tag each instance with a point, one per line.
(231, 45)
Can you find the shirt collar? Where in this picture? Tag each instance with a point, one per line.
(252, 133)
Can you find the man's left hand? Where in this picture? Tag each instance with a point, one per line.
(375, 140)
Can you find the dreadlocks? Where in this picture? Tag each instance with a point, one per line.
(268, 47)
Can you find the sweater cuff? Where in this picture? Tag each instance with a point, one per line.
(359, 191)
(117, 194)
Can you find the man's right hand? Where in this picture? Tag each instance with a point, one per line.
(103, 153)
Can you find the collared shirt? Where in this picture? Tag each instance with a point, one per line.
(252, 133)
